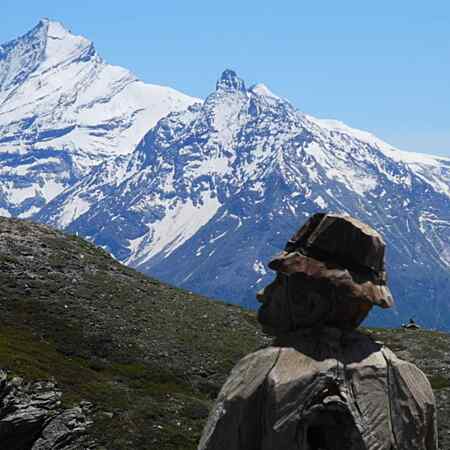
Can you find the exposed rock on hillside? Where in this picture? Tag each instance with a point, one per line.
(31, 417)
(147, 355)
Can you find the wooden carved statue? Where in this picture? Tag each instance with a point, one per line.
(322, 385)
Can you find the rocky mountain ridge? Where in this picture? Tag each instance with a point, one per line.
(211, 193)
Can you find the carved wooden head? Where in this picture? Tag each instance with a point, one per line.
(330, 273)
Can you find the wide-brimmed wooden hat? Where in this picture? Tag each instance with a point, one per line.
(341, 253)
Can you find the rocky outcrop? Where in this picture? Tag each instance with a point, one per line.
(32, 417)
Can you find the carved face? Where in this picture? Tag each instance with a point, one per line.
(291, 302)
(273, 313)
(309, 293)
(330, 273)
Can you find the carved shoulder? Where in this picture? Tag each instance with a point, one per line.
(412, 404)
(233, 423)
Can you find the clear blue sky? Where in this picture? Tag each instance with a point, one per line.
(382, 66)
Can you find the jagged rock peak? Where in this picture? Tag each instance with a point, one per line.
(229, 81)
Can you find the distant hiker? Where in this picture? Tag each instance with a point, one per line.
(411, 325)
(322, 385)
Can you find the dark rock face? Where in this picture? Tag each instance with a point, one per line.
(31, 417)
(230, 81)
(323, 385)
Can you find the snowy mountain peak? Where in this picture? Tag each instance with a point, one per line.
(56, 29)
(229, 81)
(63, 46)
(48, 44)
(21, 56)
(63, 110)
(53, 29)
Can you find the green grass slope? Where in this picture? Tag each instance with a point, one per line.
(149, 356)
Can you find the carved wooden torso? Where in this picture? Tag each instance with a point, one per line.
(333, 391)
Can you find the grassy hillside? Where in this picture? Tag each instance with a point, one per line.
(149, 356)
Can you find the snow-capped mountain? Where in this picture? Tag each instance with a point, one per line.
(212, 192)
(64, 110)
